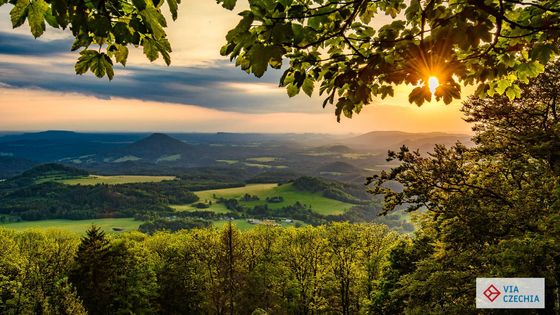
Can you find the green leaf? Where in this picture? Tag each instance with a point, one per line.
(51, 20)
(513, 92)
(82, 66)
(139, 4)
(36, 17)
(543, 52)
(60, 12)
(417, 96)
(155, 21)
(308, 86)
(275, 54)
(242, 27)
(259, 60)
(164, 48)
(413, 10)
(150, 49)
(293, 90)
(173, 7)
(99, 63)
(502, 85)
(82, 40)
(228, 4)
(121, 54)
(19, 13)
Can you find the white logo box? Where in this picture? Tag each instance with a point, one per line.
(510, 293)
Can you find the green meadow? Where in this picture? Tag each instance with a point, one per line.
(244, 225)
(77, 226)
(318, 203)
(107, 225)
(114, 180)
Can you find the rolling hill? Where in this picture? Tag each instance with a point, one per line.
(156, 147)
(384, 140)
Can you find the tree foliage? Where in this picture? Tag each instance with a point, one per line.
(103, 30)
(350, 50)
(268, 270)
(490, 210)
(352, 53)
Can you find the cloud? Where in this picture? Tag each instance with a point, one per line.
(42, 110)
(25, 45)
(29, 63)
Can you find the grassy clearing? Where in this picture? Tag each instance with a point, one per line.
(215, 207)
(263, 159)
(265, 165)
(291, 195)
(52, 178)
(169, 158)
(243, 225)
(127, 158)
(77, 226)
(228, 162)
(114, 180)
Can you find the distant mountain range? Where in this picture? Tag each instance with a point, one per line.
(383, 140)
(333, 156)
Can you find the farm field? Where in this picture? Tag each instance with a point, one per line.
(291, 195)
(107, 225)
(77, 226)
(114, 180)
(215, 207)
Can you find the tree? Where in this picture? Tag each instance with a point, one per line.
(114, 277)
(344, 46)
(34, 268)
(91, 275)
(181, 282)
(491, 210)
(111, 25)
(304, 260)
(262, 288)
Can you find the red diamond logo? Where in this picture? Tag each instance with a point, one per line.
(491, 293)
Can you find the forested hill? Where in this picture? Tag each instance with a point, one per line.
(154, 146)
(338, 158)
(333, 190)
(54, 191)
(41, 194)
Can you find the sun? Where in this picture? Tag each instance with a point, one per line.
(433, 84)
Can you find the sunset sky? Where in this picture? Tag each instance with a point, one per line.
(201, 90)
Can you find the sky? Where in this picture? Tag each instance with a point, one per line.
(200, 92)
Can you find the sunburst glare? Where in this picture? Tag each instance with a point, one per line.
(433, 84)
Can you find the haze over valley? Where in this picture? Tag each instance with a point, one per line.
(212, 177)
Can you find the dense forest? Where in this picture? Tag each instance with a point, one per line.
(491, 210)
(335, 268)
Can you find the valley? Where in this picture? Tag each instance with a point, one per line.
(122, 182)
